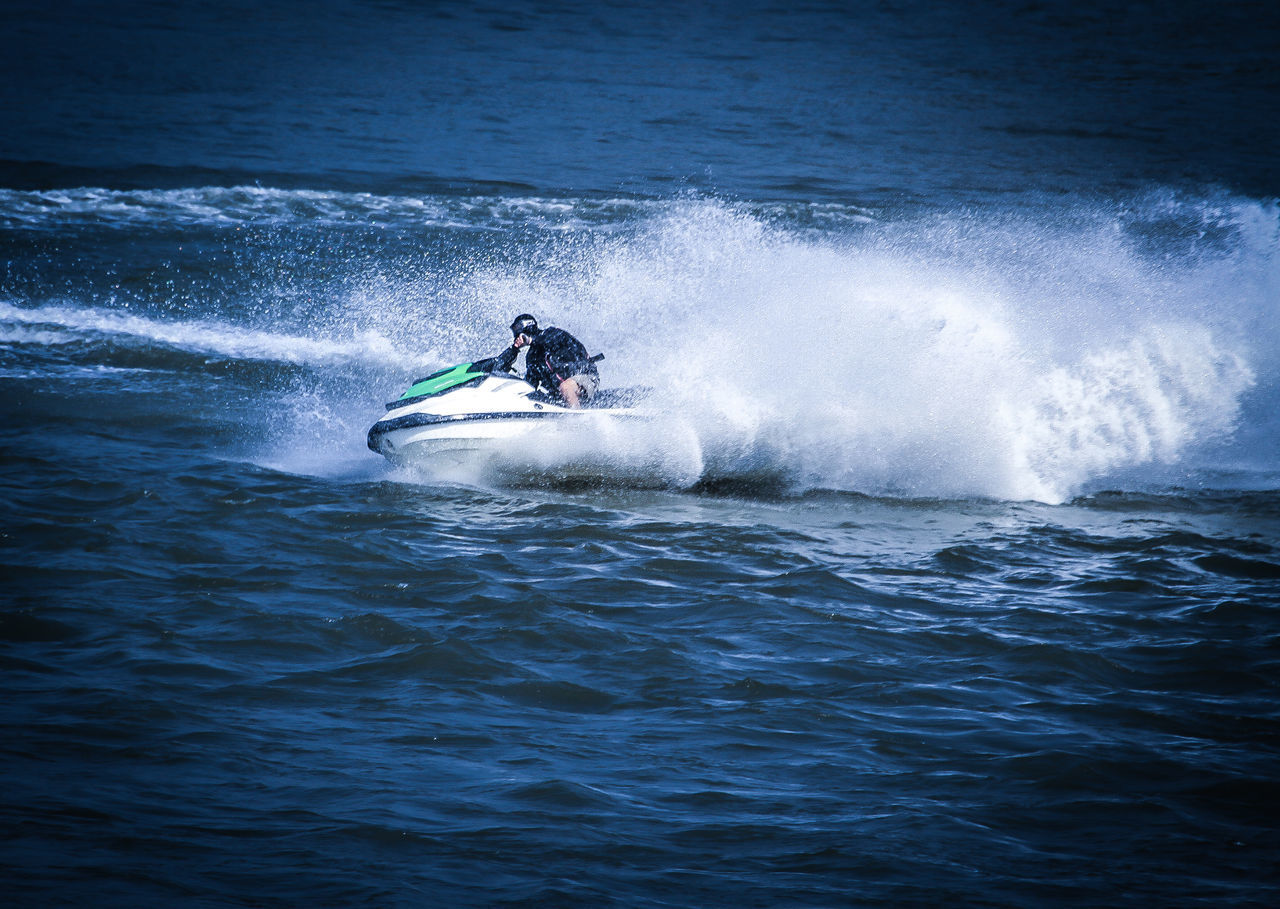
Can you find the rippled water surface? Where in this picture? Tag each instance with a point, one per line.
(225, 679)
(959, 585)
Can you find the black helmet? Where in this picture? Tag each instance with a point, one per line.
(525, 324)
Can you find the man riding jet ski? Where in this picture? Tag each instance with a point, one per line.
(556, 362)
(553, 422)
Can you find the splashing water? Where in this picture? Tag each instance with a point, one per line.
(1027, 354)
(953, 355)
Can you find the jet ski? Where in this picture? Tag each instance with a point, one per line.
(469, 422)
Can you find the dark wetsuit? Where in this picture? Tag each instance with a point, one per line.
(554, 355)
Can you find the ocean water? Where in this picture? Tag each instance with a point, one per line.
(958, 584)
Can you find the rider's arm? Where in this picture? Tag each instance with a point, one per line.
(501, 363)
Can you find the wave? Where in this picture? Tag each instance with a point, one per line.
(1035, 352)
(1018, 355)
(62, 324)
(239, 206)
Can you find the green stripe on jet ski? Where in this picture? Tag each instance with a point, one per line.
(441, 381)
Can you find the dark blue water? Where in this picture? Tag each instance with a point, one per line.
(958, 584)
(828, 100)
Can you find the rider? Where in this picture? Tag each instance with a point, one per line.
(556, 361)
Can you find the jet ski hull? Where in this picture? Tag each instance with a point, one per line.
(419, 438)
(498, 429)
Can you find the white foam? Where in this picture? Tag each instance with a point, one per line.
(1143, 403)
(216, 206)
(1018, 357)
(58, 324)
(240, 206)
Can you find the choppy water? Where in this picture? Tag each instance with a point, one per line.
(960, 587)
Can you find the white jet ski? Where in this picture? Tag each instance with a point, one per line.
(470, 424)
